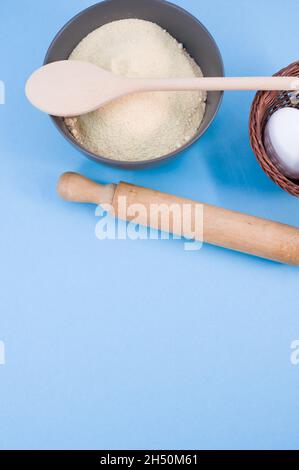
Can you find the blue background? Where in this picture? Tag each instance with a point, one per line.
(122, 344)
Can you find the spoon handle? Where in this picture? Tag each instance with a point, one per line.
(221, 84)
(221, 227)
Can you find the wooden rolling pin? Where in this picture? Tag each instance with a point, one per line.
(221, 227)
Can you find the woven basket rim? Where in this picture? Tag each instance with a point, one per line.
(261, 109)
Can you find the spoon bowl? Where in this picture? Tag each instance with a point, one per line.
(70, 88)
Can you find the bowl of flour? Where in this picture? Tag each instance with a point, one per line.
(140, 38)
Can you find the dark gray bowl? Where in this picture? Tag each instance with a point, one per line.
(180, 24)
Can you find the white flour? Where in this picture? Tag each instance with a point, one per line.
(146, 125)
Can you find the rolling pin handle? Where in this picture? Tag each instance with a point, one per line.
(73, 187)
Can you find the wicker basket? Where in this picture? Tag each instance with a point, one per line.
(264, 105)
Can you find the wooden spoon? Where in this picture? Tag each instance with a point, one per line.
(71, 88)
(221, 227)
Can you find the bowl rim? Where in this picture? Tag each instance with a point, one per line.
(136, 163)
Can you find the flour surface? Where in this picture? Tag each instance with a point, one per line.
(144, 125)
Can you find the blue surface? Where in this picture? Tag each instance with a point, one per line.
(122, 344)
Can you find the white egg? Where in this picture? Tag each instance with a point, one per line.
(282, 141)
